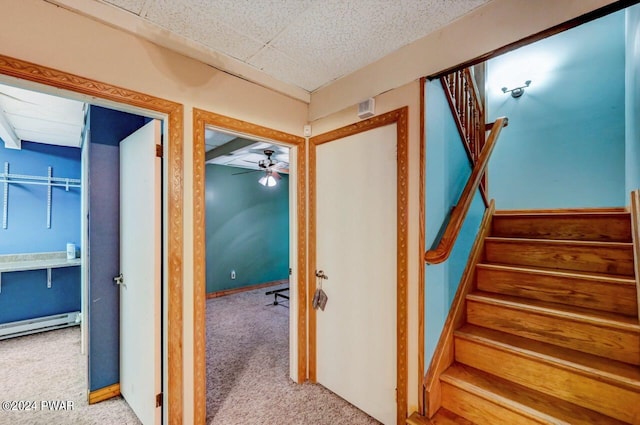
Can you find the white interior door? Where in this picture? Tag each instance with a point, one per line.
(356, 235)
(140, 265)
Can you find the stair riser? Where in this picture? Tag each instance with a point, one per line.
(616, 260)
(589, 392)
(598, 295)
(478, 410)
(605, 228)
(612, 343)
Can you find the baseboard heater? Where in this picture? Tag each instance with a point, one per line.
(39, 324)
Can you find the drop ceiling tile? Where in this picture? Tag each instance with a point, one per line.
(341, 49)
(189, 18)
(133, 6)
(261, 20)
(303, 74)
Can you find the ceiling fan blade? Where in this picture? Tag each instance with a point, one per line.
(275, 175)
(245, 172)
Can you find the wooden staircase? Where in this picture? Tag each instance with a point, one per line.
(550, 331)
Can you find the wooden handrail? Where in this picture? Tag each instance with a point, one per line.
(459, 213)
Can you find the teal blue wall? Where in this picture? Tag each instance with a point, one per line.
(632, 99)
(447, 172)
(247, 228)
(565, 144)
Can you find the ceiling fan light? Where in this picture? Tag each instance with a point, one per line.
(271, 181)
(263, 180)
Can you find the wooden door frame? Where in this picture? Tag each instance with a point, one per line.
(202, 119)
(400, 118)
(173, 199)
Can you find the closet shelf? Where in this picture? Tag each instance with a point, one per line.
(36, 261)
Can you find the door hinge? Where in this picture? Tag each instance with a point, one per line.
(159, 151)
(159, 400)
(290, 271)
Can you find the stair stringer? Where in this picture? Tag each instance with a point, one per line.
(443, 356)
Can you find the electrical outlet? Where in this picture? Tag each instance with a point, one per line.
(233, 274)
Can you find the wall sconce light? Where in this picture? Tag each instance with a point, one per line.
(518, 91)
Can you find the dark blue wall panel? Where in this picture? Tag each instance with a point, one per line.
(108, 128)
(25, 294)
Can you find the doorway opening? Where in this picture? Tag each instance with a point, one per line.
(248, 256)
(82, 244)
(204, 120)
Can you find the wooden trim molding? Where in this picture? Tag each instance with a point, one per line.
(635, 234)
(104, 393)
(443, 354)
(421, 244)
(174, 198)
(226, 292)
(202, 119)
(400, 118)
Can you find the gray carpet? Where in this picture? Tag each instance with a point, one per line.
(49, 366)
(248, 369)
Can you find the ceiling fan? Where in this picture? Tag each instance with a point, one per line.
(270, 167)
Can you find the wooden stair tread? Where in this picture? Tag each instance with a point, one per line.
(603, 369)
(595, 317)
(563, 242)
(595, 276)
(442, 417)
(533, 404)
(594, 256)
(572, 226)
(614, 211)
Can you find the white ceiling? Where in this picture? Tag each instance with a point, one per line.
(303, 43)
(241, 152)
(36, 117)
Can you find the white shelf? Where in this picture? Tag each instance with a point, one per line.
(36, 261)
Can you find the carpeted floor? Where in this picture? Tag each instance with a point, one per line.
(248, 369)
(247, 374)
(48, 366)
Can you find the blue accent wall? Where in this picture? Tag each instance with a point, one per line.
(565, 143)
(448, 169)
(632, 100)
(27, 219)
(247, 228)
(107, 128)
(25, 294)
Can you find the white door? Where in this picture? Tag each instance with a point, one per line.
(355, 248)
(140, 265)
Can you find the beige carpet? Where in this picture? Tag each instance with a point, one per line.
(48, 366)
(248, 369)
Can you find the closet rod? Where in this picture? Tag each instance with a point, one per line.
(43, 183)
